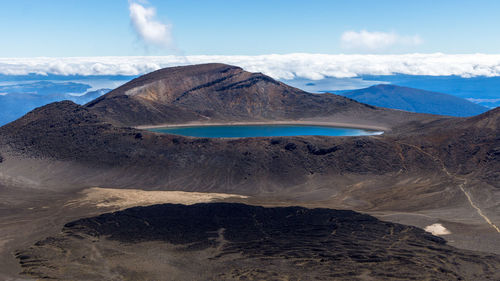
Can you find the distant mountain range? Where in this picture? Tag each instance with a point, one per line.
(415, 100)
(481, 90)
(18, 99)
(20, 94)
(45, 88)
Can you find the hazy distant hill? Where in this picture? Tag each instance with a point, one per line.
(415, 100)
(18, 99)
(45, 88)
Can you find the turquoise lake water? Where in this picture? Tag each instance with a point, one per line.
(242, 131)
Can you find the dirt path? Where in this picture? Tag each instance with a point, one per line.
(476, 207)
(461, 186)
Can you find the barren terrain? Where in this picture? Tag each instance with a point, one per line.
(433, 172)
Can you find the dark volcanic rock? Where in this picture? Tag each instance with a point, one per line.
(242, 241)
(466, 146)
(68, 132)
(181, 224)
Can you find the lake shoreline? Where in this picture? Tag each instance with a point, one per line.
(263, 130)
(264, 123)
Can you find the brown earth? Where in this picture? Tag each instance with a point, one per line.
(423, 170)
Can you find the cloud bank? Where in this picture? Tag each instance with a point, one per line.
(148, 28)
(376, 41)
(287, 66)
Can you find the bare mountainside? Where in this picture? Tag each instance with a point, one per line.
(424, 170)
(219, 92)
(415, 100)
(68, 132)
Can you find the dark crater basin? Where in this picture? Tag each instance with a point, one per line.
(241, 131)
(229, 241)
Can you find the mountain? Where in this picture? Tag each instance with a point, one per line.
(45, 88)
(479, 89)
(83, 135)
(18, 99)
(415, 100)
(423, 170)
(219, 92)
(88, 96)
(68, 132)
(466, 146)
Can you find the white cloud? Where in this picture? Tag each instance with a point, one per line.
(148, 28)
(376, 41)
(287, 66)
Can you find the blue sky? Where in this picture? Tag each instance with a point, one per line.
(62, 28)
